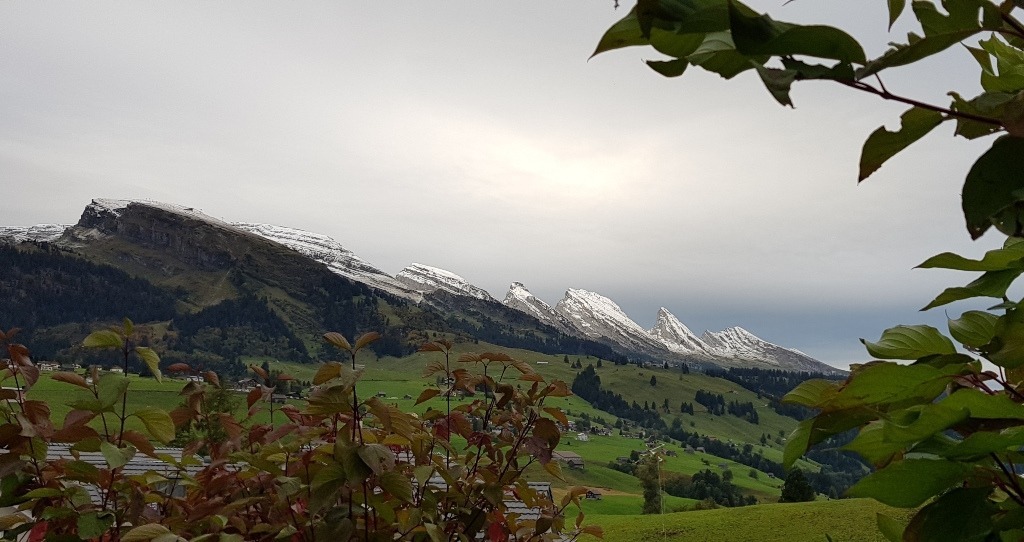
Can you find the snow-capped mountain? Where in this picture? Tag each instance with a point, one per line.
(737, 346)
(596, 316)
(519, 298)
(39, 232)
(200, 239)
(676, 336)
(426, 279)
(337, 258)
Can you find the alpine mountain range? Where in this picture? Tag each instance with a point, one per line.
(580, 313)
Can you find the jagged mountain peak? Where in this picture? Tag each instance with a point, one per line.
(426, 279)
(597, 316)
(676, 336)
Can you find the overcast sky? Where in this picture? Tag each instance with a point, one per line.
(476, 136)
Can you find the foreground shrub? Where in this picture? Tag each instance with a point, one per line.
(336, 467)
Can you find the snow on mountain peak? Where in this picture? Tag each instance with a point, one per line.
(675, 335)
(329, 252)
(103, 206)
(426, 279)
(596, 316)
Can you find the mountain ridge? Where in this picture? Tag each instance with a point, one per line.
(580, 313)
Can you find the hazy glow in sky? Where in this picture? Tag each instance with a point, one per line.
(476, 137)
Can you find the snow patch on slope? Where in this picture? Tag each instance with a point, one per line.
(426, 279)
(330, 253)
(39, 232)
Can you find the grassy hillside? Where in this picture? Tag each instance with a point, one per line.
(848, 520)
(397, 378)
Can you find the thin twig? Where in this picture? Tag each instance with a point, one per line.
(882, 93)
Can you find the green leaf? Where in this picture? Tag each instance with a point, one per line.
(891, 529)
(991, 284)
(871, 444)
(669, 68)
(896, 8)
(778, 82)
(103, 338)
(910, 342)
(887, 385)
(917, 48)
(151, 359)
(396, 484)
(910, 482)
(797, 443)
(993, 188)
(963, 514)
(378, 457)
(111, 388)
(761, 35)
(94, 524)
(145, 533)
(625, 33)
(157, 422)
(882, 144)
(1009, 73)
(811, 393)
(674, 45)
(718, 54)
(116, 457)
(974, 328)
(989, 104)
(1010, 256)
(979, 445)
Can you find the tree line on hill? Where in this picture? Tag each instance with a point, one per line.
(771, 384)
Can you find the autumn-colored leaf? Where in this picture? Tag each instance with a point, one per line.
(339, 340)
(70, 378)
(327, 371)
(365, 339)
(428, 394)
(179, 368)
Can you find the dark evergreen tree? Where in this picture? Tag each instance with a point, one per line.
(796, 488)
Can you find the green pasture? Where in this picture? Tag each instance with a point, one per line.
(847, 520)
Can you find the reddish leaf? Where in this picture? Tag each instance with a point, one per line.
(212, 378)
(38, 532)
(497, 532)
(140, 442)
(429, 347)
(74, 433)
(31, 374)
(284, 377)
(259, 371)
(428, 394)
(558, 415)
(179, 368)
(230, 425)
(182, 415)
(70, 378)
(255, 395)
(78, 417)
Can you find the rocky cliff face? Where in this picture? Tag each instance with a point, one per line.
(197, 239)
